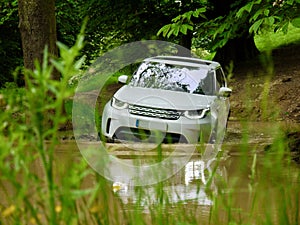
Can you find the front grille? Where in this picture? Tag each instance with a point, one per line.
(168, 114)
(146, 136)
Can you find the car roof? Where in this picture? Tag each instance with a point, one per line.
(184, 61)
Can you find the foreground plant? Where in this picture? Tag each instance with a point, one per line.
(37, 189)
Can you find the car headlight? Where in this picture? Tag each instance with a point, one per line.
(196, 114)
(118, 104)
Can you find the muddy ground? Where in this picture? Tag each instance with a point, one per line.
(269, 92)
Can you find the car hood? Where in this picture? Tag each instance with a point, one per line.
(157, 98)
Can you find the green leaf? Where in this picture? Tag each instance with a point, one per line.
(285, 28)
(196, 14)
(189, 15)
(256, 15)
(170, 33)
(177, 18)
(165, 29)
(75, 194)
(63, 50)
(62, 46)
(58, 65)
(247, 7)
(160, 31)
(174, 30)
(270, 20)
(201, 10)
(254, 28)
(266, 12)
(190, 27)
(78, 64)
(296, 22)
(183, 29)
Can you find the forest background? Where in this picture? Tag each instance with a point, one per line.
(257, 42)
(235, 33)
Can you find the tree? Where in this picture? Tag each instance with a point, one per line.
(113, 23)
(38, 29)
(69, 18)
(230, 25)
(239, 45)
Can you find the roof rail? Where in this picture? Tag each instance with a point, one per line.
(179, 60)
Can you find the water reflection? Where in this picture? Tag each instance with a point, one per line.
(189, 185)
(246, 185)
(241, 182)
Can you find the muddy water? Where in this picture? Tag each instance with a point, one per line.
(242, 181)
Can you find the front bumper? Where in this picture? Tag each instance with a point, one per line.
(120, 124)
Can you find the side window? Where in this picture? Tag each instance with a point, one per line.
(208, 85)
(220, 78)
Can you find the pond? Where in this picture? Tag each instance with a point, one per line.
(243, 181)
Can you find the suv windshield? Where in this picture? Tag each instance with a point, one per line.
(173, 77)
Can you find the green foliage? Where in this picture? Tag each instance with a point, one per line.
(276, 14)
(242, 19)
(111, 24)
(68, 19)
(29, 121)
(8, 9)
(268, 40)
(181, 23)
(114, 23)
(10, 41)
(296, 22)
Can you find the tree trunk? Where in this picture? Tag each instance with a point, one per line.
(38, 28)
(186, 42)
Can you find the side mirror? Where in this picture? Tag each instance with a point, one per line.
(123, 79)
(224, 92)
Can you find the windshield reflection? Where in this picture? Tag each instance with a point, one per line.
(175, 78)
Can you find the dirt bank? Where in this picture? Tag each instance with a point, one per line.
(268, 92)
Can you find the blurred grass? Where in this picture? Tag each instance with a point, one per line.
(269, 40)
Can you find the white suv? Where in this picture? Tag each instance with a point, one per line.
(168, 99)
